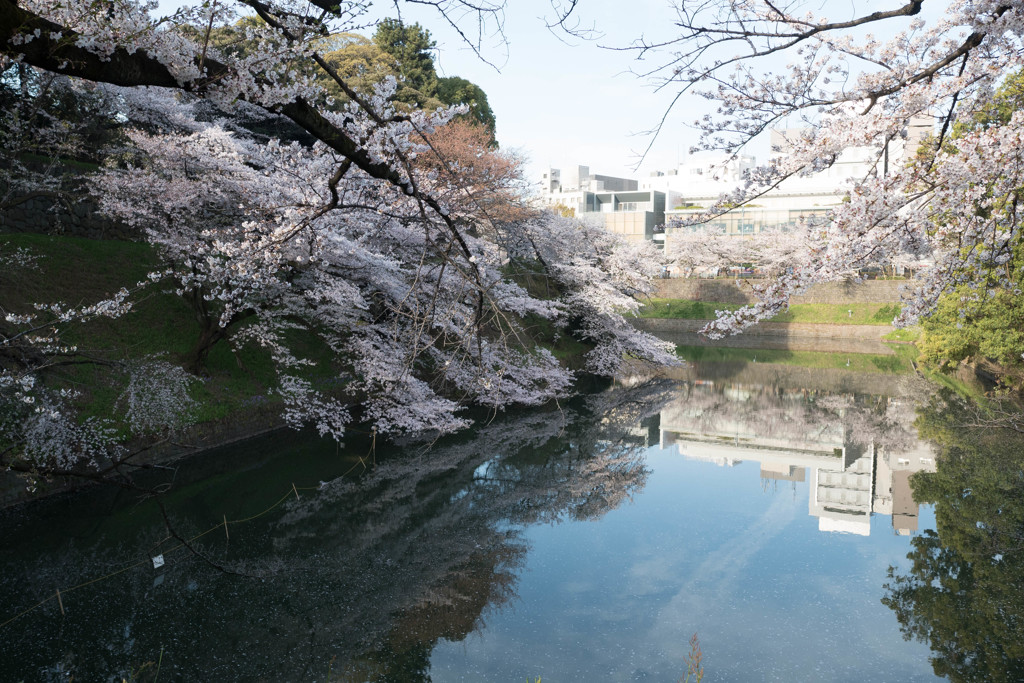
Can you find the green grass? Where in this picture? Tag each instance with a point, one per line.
(840, 314)
(904, 334)
(834, 314)
(79, 271)
(683, 309)
(854, 362)
(568, 350)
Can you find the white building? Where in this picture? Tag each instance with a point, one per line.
(704, 178)
(707, 174)
(639, 209)
(616, 202)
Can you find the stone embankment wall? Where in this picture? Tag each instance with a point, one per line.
(832, 380)
(741, 291)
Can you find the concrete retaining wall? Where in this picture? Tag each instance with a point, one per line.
(741, 291)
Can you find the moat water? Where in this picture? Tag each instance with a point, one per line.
(767, 508)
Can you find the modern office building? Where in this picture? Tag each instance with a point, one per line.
(615, 202)
(580, 179)
(639, 209)
(705, 178)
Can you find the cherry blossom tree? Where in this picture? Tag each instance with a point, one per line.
(699, 250)
(42, 433)
(409, 260)
(478, 180)
(769, 65)
(706, 248)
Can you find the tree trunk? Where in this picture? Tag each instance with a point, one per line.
(195, 358)
(210, 331)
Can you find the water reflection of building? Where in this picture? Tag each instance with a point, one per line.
(856, 458)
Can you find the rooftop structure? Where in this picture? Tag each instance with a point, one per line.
(615, 202)
(638, 209)
(704, 178)
(709, 174)
(580, 179)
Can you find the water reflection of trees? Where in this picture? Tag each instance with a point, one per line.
(371, 572)
(964, 591)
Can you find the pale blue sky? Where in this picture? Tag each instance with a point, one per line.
(567, 101)
(563, 101)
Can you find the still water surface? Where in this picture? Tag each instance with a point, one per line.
(760, 508)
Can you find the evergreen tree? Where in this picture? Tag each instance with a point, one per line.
(454, 90)
(409, 50)
(411, 47)
(985, 318)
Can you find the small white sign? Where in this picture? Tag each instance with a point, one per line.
(158, 561)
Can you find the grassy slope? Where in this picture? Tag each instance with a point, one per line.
(79, 272)
(836, 314)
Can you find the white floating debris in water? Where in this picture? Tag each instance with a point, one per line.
(158, 561)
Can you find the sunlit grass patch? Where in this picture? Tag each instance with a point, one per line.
(833, 314)
(903, 334)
